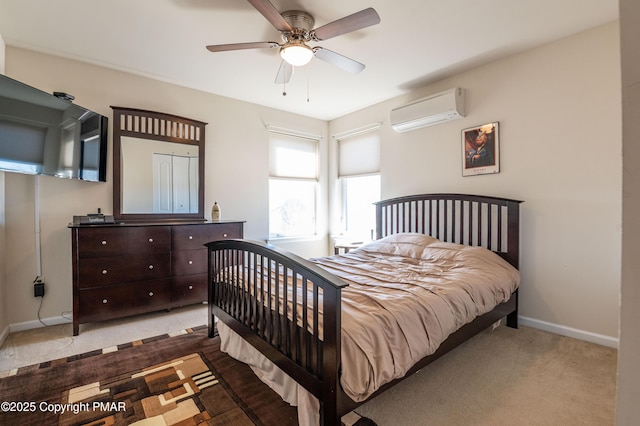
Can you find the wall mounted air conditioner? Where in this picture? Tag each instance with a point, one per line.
(434, 109)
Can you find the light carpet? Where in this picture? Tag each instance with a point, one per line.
(507, 377)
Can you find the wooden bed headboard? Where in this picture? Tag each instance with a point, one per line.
(475, 220)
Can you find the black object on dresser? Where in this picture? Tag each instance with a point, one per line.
(128, 269)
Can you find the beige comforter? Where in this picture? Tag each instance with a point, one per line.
(406, 294)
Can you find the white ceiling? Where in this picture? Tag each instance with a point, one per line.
(416, 42)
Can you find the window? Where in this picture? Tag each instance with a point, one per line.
(359, 215)
(359, 174)
(293, 182)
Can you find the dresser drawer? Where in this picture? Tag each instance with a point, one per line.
(123, 300)
(189, 289)
(103, 271)
(109, 241)
(97, 242)
(149, 239)
(189, 237)
(224, 231)
(188, 262)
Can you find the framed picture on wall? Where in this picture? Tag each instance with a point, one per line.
(481, 150)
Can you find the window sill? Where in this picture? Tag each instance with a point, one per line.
(300, 239)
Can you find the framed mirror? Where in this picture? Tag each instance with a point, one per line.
(158, 166)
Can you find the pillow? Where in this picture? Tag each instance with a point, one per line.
(408, 244)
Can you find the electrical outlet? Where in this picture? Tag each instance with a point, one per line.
(38, 289)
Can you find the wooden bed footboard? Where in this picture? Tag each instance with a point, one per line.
(290, 309)
(285, 306)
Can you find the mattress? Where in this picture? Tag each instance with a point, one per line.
(407, 293)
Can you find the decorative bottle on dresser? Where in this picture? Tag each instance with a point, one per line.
(215, 211)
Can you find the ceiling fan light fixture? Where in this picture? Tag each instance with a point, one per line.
(296, 54)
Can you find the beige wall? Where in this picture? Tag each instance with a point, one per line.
(559, 113)
(628, 409)
(236, 173)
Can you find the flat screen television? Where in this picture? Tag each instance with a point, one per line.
(45, 134)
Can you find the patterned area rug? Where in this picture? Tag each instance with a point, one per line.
(167, 380)
(170, 393)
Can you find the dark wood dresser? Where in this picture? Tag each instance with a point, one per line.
(127, 269)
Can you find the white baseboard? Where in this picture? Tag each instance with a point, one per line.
(575, 333)
(562, 330)
(29, 325)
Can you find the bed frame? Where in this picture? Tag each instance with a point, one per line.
(292, 341)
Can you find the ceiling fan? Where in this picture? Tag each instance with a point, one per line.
(296, 28)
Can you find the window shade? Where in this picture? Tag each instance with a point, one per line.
(292, 157)
(359, 155)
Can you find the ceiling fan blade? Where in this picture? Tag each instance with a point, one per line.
(241, 46)
(270, 12)
(338, 60)
(284, 73)
(364, 18)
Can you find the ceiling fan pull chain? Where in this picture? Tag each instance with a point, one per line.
(284, 83)
(308, 81)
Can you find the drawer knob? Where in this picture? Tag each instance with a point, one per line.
(104, 272)
(191, 262)
(190, 237)
(104, 300)
(104, 243)
(150, 240)
(224, 235)
(190, 287)
(150, 293)
(150, 267)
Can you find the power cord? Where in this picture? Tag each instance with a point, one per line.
(38, 280)
(67, 317)
(40, 307)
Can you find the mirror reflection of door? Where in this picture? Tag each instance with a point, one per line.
(175, 184)
(148, 187)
